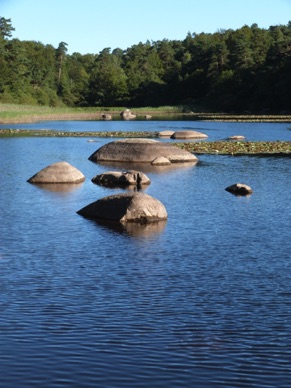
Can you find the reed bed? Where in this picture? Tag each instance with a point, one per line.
(268, 148)
(14, 113)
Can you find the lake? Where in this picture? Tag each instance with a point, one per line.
(201, 300)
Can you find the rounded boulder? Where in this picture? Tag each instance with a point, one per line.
(140, 151)
(126, 207)
(60, 172)
(188, 135)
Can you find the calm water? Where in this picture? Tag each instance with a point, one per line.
(203, 300)
(215, 131)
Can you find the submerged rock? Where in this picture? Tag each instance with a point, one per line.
(236, 137)
(121, 178)
(126, 207)
(60, 172)
(141, 151)
(239, 189)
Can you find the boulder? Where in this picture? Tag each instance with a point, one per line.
(60, 172)
(106, 116)
(166, 133)
(121, 178)
(161, 161)
(236, 137)
(189, 134)
(140, 151)
(239, 189)
(147, 117)
(127, 115)
(127, 207)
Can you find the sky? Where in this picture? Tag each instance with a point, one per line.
(89, 26)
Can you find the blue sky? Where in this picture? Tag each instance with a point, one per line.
(89, 26)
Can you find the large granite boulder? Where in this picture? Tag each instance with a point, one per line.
(60, 172)
(239, 189)
(188, 134)
(121, 178)
(141, 151)
(127, 115)
(127, 207)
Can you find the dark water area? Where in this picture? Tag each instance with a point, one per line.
(201, 300)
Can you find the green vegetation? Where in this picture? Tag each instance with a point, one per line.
(16, 113)
(52, 133)
(239, 147)
(20, 113)
(247, 70)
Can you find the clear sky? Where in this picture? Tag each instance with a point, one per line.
(89, 26)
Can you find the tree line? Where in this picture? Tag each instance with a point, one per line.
(248, 69)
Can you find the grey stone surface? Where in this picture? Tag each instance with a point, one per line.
(59, 172)
(141, 150)
(239, 189)
(189, 135)
(121, 178)
(126, 207)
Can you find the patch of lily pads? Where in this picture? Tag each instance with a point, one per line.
(54, 133)
(280, 148)
(239, 147)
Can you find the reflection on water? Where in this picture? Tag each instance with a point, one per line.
(59, 187)
(133, 229)
(147, 167)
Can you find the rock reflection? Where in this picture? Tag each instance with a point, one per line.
(148, 167)
(134, 229)
(59, 187)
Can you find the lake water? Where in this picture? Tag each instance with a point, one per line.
(202, 300)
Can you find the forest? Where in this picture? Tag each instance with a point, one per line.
(243, 70)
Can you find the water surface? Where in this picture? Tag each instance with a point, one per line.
(202, 300)
(214, 130)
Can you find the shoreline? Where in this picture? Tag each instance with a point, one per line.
(25, 119)
(17, 114)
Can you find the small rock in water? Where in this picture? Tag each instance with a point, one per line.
(239, 189)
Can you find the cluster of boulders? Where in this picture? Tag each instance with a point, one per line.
(125, 115)
(134, 206)
(128, 207)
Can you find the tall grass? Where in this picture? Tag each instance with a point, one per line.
(15, 113)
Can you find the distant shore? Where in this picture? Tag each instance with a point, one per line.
(90, 116)
(16, 114)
